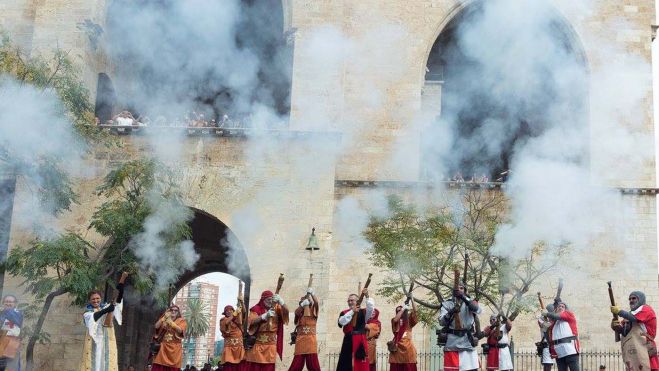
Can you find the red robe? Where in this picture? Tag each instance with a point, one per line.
(354, 350)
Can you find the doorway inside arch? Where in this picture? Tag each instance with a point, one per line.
(221, 257)
(500, 74)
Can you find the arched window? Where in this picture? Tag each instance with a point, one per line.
(213, 58)
(496, 78)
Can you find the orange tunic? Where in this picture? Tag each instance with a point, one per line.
(406, 351)
(171, 347)
(234, 352)
(265, 349)
(306, 342)
(372, 335)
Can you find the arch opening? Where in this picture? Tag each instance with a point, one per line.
(210, 293)
(178, 61)
(218, 250)
(500, 75)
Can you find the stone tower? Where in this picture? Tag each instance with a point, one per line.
(223, 182)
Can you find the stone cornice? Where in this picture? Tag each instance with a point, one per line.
(345, 183)
(220, 132)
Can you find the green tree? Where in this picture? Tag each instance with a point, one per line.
(67, 257)
(196, 316)
(56, 74)
(64, 264)
(68, 263)
(427, 247)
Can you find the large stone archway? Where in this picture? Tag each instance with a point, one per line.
(210, 236)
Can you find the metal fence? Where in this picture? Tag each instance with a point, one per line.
(522, 360)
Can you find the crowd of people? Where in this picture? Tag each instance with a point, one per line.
(192, 120)
(258, 349)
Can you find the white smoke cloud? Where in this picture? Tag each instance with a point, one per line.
(34, 126)
(151, 246)
(586, 120)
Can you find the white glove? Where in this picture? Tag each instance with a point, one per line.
(278, 299)
(310, 291)
(406, 307)
(346, 318)
(305, 303)
(268, 314)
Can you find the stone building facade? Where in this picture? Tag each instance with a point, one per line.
(224, 183)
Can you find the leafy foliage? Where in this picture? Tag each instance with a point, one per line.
(60, 263)
(63, 264)
(427, 247)
(133, 190)
(58, 73)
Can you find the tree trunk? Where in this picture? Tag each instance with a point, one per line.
(29, 351)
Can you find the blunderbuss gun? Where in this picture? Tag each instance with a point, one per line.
(115, 296)
(280, 283)
(457, 302)
(613, 303)
(559, 290)
(361, 298)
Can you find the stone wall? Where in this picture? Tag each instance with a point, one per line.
(289, 184)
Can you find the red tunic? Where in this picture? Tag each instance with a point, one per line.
(648, 320)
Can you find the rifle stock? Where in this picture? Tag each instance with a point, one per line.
(115, 296)
(280, 283)
(361, 298)
(542, 305)
(457, 303)
(559, 290)
(613, 303)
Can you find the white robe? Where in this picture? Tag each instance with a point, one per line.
(505, 360)
(100, 350)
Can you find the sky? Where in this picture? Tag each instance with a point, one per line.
(227, 296)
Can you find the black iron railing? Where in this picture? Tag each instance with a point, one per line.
(523, 361)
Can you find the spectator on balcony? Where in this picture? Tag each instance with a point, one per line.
(225, 121)
(123, 118)
(142, 120)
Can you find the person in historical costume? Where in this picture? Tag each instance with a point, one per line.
(373, 329)
(543, 345)
(172, 326)
(266, 322)
(563, 337)
(11, 321)
(100, 347)
(460, 349)
(306, 345)
(404, 357)
(354, 349)
(637, 328)
(498, 355)
(231, 328)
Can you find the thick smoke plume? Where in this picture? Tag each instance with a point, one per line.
(152, 248)
(34, 127)
(521, 94)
